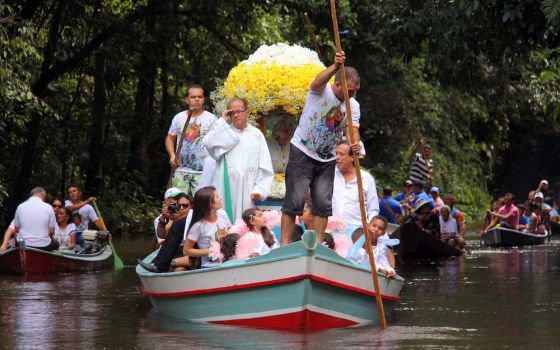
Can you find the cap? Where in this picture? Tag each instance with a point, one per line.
(434, 189)
(408, 183)
(420, 203)
(544, 182)
(173, 192)
(539, 195)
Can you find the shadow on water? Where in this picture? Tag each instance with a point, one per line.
(492, 298)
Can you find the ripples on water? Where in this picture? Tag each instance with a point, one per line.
(492, 298)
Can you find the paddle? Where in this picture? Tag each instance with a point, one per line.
(313, 37)
(180, 145)
(116, 259)
(369, 250)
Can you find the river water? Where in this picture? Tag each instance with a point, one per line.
(487, 299)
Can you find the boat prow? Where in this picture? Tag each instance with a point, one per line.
(418, 244)
(503, 237)
(303, 285)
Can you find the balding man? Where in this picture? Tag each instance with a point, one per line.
(34, 222)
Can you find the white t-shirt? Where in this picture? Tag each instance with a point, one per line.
(346, 201)
(34, 218)
(87, 214)
(261, 248)
(63, 236)
(322, 124)
(449, 227)
(193, 151)
(204, 233)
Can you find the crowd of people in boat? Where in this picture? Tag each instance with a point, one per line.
(56, 226)
(535, 215)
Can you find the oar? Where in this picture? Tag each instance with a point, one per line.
(313, 37)
(180, 145)
(116, 259)
(382, 321)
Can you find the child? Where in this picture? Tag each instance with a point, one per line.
(259, 240)
(384, 259)
(228, 247)
(209, 223)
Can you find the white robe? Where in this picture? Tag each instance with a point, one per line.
(248, 160)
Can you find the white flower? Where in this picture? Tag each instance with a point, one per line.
(290, 55)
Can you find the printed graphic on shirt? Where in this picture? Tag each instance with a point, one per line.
(325, 128)
(193, 151)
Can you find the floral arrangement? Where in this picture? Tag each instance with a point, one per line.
(275, 77)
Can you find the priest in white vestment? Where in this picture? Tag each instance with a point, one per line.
(244, 149)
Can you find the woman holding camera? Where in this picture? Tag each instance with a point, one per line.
(170, 212)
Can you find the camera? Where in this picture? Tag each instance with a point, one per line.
(173, 208)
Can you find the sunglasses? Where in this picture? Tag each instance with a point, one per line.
(56, 206)
(184, 205)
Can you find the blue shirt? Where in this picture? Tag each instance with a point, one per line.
(524, 220)
(386, 213)
(400, 197)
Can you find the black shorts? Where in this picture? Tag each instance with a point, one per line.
(304, 174)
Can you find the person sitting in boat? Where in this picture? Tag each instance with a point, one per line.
(56, 204)
(34, 222)
(434, 193)
(539, 223)
(259, 240)
(424, 217)
(345, 199)
(228, 247)
(86, 211)
(209, 223)
(390, 208)
(525, 211)
(279, 145)
(449, 200)
(420, 194)
(406, 189)
(65, 231)
(384, 258)
(449, 229)
(508, 214)
(169, 210)
(8, 240)
(171, 248)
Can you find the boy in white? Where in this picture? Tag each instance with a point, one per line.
(192, 160)
(312, 151)
(384, 259)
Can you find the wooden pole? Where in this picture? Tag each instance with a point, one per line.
(180, 145)
(313, 37)
(369, 249)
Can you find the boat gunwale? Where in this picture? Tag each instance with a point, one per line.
(59, 254)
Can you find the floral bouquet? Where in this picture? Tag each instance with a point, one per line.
(274, 78)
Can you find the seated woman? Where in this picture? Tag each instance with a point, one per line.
(259, 240)
(56, 204)
(449, 228)
(209, 223)
(65, 232)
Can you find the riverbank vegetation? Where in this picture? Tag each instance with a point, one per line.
(88, 89)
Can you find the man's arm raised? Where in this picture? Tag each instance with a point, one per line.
(321, 80)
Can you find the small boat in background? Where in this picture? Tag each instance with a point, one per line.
(303, 285)
(24, 260)
(417, 243)
(503, 237)
(554, 228)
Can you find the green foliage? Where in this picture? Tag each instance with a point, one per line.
(551, 9)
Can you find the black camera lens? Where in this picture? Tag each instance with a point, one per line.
(173, 208)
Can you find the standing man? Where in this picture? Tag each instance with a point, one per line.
(311, 163)
(34, 222)
(345, 198)
(421, 169)
(84, 209)
(191, 162)
(243, 167)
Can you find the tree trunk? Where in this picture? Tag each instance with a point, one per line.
(99, 118)
(143, 110)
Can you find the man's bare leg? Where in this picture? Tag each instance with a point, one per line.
(320, 225)
(287, 224)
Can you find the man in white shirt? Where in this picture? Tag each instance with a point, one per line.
(84, 209)
(193, 158)
(313, 147)
(34, 222)
(345, 198)
(242, 147)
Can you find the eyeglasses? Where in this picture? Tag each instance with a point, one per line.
(56, 206)
(238, 111)
(183, 205)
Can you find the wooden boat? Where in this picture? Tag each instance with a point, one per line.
(31, 261)
(303, 285)
(503, 237)
(417, 243)
(554, 228)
